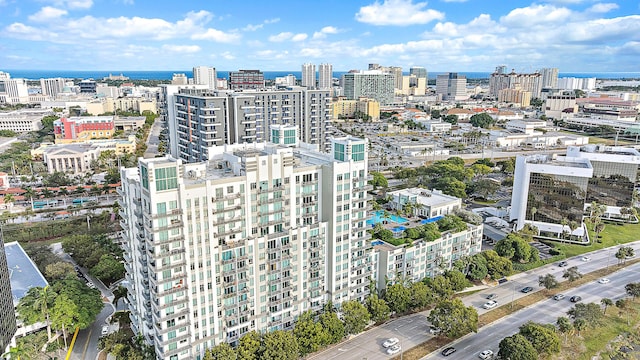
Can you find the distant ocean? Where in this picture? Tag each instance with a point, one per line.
(269, 75)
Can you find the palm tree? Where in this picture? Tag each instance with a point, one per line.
(606, 302)
(564, 222)
(598, 229)
(119, 293)
(533, 210)
(9, 199)
(19, 352)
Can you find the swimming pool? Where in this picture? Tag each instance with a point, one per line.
(378, 217)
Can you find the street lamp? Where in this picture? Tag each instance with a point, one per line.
(400, 342)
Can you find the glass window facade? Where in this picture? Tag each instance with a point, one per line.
(357, 152)
(612, 183)
(556, 197)
(338, 153)
(166, 178)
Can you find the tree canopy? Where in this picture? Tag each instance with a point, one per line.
(453, 318)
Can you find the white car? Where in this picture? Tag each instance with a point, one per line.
(603, 281)
(586, 258)
(394, 349)
(390, 342)
(105, 330)
(490, 304)
(487, 354)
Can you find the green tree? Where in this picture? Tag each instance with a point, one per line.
(477, 267)
(482, 120)
(64, 315)
(355, 317)
(249, 347)
(606, 302)
(497, 266)
(543, 338)
(457, 279)
(34, 307)
(398, 297)
(108, 269)
(591, 313)
(516, 347)
(279, 345)
(378, 309)
(441, 287)
(421, 295)
(335, 327)
(633, 289)
(309, 333)
(564, 326)
(580, 325)
(548, 281)
(624, 253)
(88, 301)
(453, 318)
(120, 292)
(60, 270)
(379, 180)
(572, 274)
(516, 248)
(19, 352)
(222, 351)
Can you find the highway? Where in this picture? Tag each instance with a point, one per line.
(414, 329)
(544, 312)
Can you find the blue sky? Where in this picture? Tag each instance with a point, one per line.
(441, 35)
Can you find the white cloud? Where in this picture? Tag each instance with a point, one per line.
(74, 4)
(228, 55)
(25, 32)
(299, 37)
(47, 13)
(397, 12)
(601, 31)
(252, 27)
(324, 31)
(217, 36)
(283, 36)
(533, 15)
(603, 7)
(181, 48)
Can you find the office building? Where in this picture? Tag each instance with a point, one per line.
(246, 80)
(418, 71)
(7, 306)
(87, 86)
(373, 84)
(556, 105)
(246, 241)
(23, 120)
(203, 119)
(549, 78)
(205, 75)
(615, 173)
(517, 96)
(78, 129)
(52, 87)
(452, 86)
(325, 76)
(309, 75)
(548, 189)
(13, 91)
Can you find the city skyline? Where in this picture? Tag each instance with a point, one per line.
(441, 35)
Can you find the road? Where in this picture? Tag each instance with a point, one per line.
(86, 346)
(543, 312)
(414, 329)
(153, 139)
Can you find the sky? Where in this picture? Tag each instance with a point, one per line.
(441, 35)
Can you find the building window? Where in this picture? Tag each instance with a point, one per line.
(166, 178)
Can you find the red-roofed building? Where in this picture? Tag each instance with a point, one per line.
(77, 129)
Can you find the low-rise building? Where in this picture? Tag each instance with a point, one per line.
(80, 129)
(429, 204)
(527, 127)
(23, 120)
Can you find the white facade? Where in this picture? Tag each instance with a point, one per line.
(526, 127)
(13, 91)
(205, 75)
(452, 86)
(289, 80)
(309, 75)
(373, 84)
(572, 83)
(23, 120)
(247, 241)
(325, 76)
(52, 87)
(425, 203)
(549, 78)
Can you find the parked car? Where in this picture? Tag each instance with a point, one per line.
(492, 296)
(603, 281)
(490, 304)
(575, 298)
(585, 258)
(563, 263)
(390, 342)
(487, 354)
(393, 349)
(448, 351)
(558, 297)
(105, 330)
(526, 289)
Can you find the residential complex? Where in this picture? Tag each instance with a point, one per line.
(205, 75)
(246, 80)
(325, 76)
(532, 83)
(199, 119)
(342, 107)
(309, 75)
(7, 312)
(373, 84)
(246, 241)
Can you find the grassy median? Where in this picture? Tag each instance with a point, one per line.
(506, 309)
